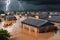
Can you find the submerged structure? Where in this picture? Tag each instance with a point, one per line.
(38, 25)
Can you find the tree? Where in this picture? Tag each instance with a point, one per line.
(4, 35)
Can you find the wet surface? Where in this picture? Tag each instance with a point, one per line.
(19, 35)
(40, 36)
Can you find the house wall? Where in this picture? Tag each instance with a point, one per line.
(57, 25)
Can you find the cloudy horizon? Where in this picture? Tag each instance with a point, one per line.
(31, 5)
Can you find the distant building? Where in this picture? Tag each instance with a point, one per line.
(9, 18)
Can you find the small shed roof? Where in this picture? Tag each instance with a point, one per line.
(35, 22)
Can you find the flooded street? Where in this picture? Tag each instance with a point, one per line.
(19, 35)
(13, 12)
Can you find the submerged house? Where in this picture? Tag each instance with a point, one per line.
(55, 18)
(41, 15)
(10, 18)
(38, 25)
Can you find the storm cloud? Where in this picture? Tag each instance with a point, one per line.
(30, 5)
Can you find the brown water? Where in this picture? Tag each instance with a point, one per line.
(19, 35)
(40, 36)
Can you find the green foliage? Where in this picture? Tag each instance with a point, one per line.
(4, 35)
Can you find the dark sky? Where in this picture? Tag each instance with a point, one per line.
(30, 5)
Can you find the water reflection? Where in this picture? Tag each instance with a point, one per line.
(42, 36)
(17, 35)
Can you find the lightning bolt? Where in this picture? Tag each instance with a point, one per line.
(7, 4)
(20, 6)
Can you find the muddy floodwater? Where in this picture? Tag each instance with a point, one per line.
(19, 35)
(41, 36)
